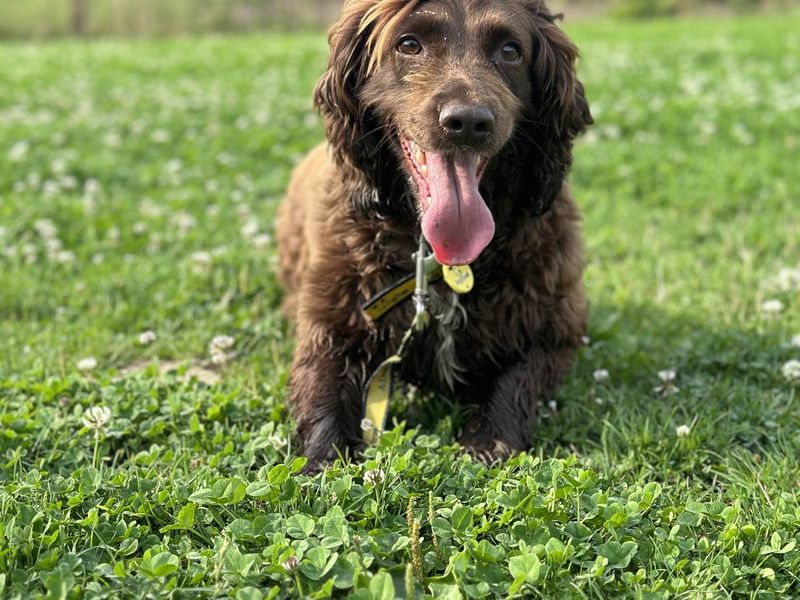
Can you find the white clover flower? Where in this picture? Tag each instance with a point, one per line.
(183, 221)
(50, 188)
(788, 279)
(18, 151)
(367, 425)
(53, 245)
(147, 337)
(217, 347)
(667, 387)
(68, 182)
(553, 406)
(586, 340)
(771, 307)
(262, 241)
(148, 208)
(45, 228)
(290, 564)
(173, 166)
(374, 476)
(87, 364)
(96, 417)
(113, 234)
(219, 358)
(600, 375)
(160, 136)
(29, 252)
(791, 370)
(250, 228)
(795, 341)
(58, 165)
(667, 375)
(682, 430)
(139, 228)
(225, 158)
(91, 187)
(220, 342)
(112, 139)
(201, 261)
(64, 257)
(277, 442)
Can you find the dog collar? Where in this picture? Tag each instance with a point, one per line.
(458, 278)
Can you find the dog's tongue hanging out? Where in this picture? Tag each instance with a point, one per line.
(458, 225)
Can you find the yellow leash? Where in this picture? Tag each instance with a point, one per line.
(378, 390)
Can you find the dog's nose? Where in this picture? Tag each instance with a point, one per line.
(467, 123)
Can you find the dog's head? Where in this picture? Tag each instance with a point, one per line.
(444, 89)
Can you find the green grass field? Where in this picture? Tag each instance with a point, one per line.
(138, 186)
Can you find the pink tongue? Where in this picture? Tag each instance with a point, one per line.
(458, 225)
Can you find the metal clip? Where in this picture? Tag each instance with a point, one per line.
(421, 297)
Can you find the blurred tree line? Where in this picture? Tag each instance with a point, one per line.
(45, 18)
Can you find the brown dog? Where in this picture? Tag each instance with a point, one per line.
(453, 118)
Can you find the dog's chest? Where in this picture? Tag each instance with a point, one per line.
(449, 320)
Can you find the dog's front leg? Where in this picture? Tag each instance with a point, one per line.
(503, 424)
(326, 385)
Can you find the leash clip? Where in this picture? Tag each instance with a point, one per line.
(422, 315)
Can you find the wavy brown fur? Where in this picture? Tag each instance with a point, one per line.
(349, 223)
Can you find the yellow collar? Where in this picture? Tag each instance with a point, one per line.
(386, 300)
(459, 278)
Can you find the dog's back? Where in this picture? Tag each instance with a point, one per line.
(295, 230)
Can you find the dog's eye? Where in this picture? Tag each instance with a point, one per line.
(511, 52)
(409, 45)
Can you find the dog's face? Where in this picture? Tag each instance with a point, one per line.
(453, 81)
(445, 86)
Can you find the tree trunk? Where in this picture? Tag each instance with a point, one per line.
(77, 16)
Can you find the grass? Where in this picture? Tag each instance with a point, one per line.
(138, 186)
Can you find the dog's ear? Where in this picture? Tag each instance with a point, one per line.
(352, 135)
(558, 110)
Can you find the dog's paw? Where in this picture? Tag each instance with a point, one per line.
(485, 449)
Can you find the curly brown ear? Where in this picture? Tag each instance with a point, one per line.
(559, 111)
(356, 134)
(337, 97)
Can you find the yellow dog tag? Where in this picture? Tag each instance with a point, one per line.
(459, 278)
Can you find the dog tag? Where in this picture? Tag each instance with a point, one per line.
(459, 278)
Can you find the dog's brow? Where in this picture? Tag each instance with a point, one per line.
(427, 22)
(503, 24)
(495, 30)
